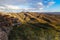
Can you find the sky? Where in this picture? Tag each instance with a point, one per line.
(30, 5)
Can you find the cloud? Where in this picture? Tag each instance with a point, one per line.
(22, 0)
(12, 7)
(40, 5)
(51, 3)
(14, 2)
(27, 5)
(9, 7)
(2, 7)
(1, 10)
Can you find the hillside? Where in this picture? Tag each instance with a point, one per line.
(35, 26)
(31, 17)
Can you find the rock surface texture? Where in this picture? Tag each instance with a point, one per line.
(6, 25)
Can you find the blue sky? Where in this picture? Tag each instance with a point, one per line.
(30, 5)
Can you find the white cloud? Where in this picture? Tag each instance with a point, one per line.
(12, 7)
(1, 10)
(13, 2)
(2, 7)
(51, 3)
(22, 0)
(9, 7)
(27, 9)
(40, 5)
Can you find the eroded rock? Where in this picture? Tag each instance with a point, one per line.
(6, 25)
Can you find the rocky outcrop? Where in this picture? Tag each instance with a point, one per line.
(34, 26)
(6, 25)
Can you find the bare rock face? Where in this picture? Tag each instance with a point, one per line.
(6, 25)
(3, 35)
